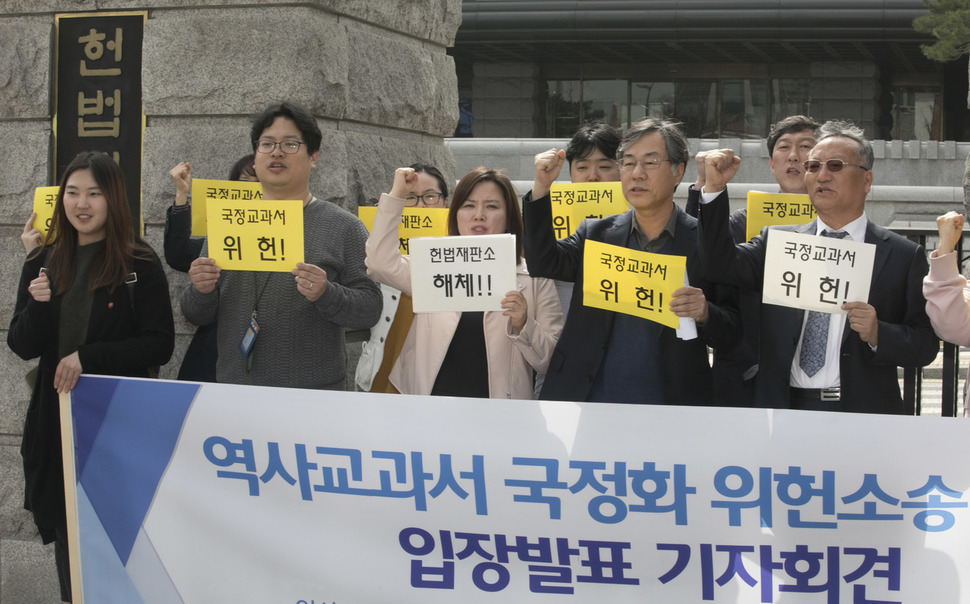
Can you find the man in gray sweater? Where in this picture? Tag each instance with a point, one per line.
(280, 329)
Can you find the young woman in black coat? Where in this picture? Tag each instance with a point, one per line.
(92, 299)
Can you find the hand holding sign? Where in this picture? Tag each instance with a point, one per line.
(862, 319)
(31, 236)
(67, 372)
(515, 307)
(690, 302)
(311, 280)
(204, 275)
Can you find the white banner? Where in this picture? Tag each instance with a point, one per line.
(816, 273)
(470, 273)
(219, 493)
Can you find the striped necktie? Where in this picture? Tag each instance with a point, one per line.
(815, 338)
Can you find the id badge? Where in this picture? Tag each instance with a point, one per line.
(246, 344)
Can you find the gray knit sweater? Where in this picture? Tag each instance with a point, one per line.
(300, 344)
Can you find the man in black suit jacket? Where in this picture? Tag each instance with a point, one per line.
(789, 142)
(865, 345)
(612, 357)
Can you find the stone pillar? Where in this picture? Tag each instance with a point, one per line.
(375, 74)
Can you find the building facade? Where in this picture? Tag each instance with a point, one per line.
(537, 69)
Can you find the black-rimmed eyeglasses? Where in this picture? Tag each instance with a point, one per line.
(267, 146)
(428, 199)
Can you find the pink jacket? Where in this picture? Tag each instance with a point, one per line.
(511, 356)
(948, 302)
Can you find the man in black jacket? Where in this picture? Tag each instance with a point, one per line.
(864, 346)
(612, 357)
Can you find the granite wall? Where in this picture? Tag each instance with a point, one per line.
(375, 74)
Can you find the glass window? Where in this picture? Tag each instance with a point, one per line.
(652, 98)
(708, 108)
(744, 108)
(606, 101)
(917, 114)
(695, 104)
(563, 107)
(790, 96)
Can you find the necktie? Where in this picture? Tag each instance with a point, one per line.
(812, 357)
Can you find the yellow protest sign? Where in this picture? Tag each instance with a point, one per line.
(255, 235)
(769, 209)
(44, 198)
(415, 222)
(632, 282)
(205, 189)
(573, 202)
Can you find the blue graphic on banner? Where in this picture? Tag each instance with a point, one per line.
(145, 426)
(105, 578)
(96, 395)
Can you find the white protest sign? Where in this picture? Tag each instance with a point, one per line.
(461, 273)
(816, 273)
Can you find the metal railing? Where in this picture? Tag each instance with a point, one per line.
(913, 376)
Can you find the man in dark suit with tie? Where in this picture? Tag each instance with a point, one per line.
(612, 357)
(842, 362)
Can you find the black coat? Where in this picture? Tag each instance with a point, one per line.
(181, 250)
(125, 337)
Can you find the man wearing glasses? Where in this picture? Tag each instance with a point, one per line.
(286, 329)
(837, 362)
(611, 357)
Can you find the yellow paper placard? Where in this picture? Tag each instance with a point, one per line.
(632, 282)
(205, 189)
(255, 235)
(44, 198)
(769, 209)
(573, 202)
(415, 222)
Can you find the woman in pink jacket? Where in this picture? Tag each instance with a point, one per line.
(491, 354)
(945, 289)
